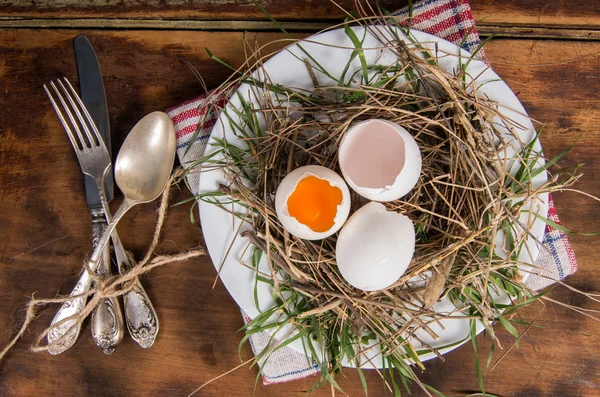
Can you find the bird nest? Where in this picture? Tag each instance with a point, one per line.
(473, 207)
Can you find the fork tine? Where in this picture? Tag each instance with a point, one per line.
(82, 126)
(84, 144)
(88, 117)
(74, 141)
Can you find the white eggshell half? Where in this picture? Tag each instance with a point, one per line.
(287, 187)
(375, 247)
(371, 160)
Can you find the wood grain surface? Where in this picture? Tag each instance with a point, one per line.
(556, 19)
(581, 13)
(45, 229)
(184, 9)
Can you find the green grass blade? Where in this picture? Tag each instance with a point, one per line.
(363, 381)
(490, 356)
(527, 323)
(509, 327)
(477, 363)
(554, 160)
(280, 27)
(435, 391)
(359, 50)
(482, 395)
(221, 62)
(562, 228)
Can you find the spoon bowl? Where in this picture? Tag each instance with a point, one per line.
(146, 158)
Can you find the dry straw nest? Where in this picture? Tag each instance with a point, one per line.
(469, 192)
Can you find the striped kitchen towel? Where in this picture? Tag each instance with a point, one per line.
(448, 19)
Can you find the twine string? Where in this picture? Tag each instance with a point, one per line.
(113, 286)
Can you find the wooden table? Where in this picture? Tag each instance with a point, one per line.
(546, 50)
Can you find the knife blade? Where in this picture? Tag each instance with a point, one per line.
(94, 98)
(107, 318)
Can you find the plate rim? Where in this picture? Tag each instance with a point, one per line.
(421, 37)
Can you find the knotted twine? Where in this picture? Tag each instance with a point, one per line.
(113, 286)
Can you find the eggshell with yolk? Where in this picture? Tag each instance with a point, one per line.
(287, 187)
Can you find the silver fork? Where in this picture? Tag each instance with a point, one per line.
(107, 318)
(94, 160)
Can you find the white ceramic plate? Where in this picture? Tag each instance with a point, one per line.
(285, 68)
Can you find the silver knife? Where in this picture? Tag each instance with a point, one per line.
(140, 314)
(107, 318)
(93, 97)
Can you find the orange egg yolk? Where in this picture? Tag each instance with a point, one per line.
(314, 203)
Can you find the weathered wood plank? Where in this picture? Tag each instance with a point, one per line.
(157, 24)
(510, 13)
(45, 227)
(185, 9)
(306, 26)
(507, 19)
(557, 13)
(527, 32)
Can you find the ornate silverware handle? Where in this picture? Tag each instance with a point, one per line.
(107, 319)
(70, 308)
(140, 315)
(73, 306)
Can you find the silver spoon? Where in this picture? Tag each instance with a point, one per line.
(142, 168)
(140, 315)
(142, 172)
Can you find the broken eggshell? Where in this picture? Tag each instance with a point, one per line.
(289, 184)
(380, 160)
(375, 247)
